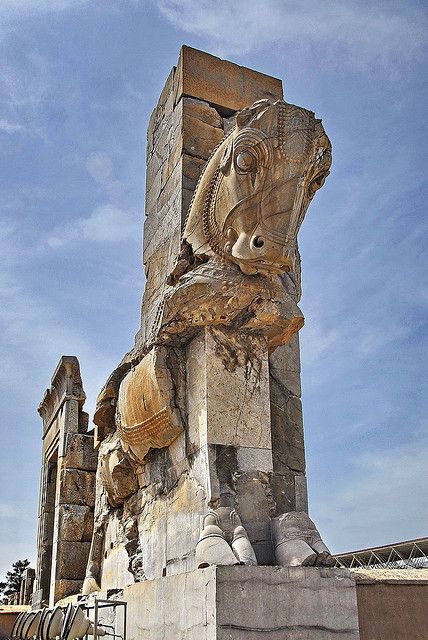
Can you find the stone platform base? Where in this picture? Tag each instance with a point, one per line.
(245, 603)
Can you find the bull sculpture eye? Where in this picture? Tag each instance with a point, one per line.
(258, 242)
(245, 161)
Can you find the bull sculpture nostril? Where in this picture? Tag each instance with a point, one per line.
(258, 242)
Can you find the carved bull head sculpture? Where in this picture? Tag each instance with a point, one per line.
(254, 192)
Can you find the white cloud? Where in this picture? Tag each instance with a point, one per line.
(386, 490)
(100, 167)
(8, 511)
(10, 127)
(25, 7)
(106, 223)
(357, 31)
(315, 341)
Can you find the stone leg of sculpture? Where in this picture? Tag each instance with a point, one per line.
(223, 540)
(93, 570)
(116, 480)
(298, 542)
(212, 547)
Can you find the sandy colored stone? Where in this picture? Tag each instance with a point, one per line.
(65, 588)
(78, 487)
(228, 407)
(220, 331)
(202, 111)
(76, 523)
(200, 139)
(219, 82)
(390, 576)
(192, 167)
(80, 452)
(287, 432)
(71, 560)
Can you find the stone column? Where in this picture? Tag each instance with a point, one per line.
(67, 487)
(234, 422)
(195, 110)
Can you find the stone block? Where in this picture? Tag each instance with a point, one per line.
(284, 492)
(202, 111)
(192, 167)
(66, 588)
(255, 505)
(71, 560)
(46, 520)
(284, 366)
(287, 431)
(75, 523)
(227, 405)
(200, 139)
(186, 504)
(252, 458)
(152, 534)
(163, 109)
(239, 603)
(218, 82)
(77, 487)
(292, 603)
(80, 452)
(301, 492)
(174, 607)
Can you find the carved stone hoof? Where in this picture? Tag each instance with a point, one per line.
(213, 549)
(325, 559)
(90, 585)
(242, 547)
(295, 553)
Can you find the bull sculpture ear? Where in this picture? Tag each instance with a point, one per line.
(244, 117)
(226, 161)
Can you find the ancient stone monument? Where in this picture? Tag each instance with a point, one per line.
(201, 515)
(67, 487)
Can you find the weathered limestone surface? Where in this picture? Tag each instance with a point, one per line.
(199, 429)
(239, 603)
(67, 490)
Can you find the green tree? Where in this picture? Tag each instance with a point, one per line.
(13, 579)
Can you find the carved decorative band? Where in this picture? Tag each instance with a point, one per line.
(148, 430)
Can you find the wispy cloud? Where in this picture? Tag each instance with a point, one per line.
(360, 32)
(386, 490)
(100, 167)
(8, 511)
(106, 223)
(26, 7)
(10, 127)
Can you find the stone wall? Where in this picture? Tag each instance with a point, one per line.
(243, 603)
(67, 490)
(392, 604)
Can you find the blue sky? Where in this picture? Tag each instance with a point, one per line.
(78, 81)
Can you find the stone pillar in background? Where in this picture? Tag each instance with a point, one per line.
(27, 586)
(67, 487)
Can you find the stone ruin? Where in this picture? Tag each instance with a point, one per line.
(197, 512)
(67, 487)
